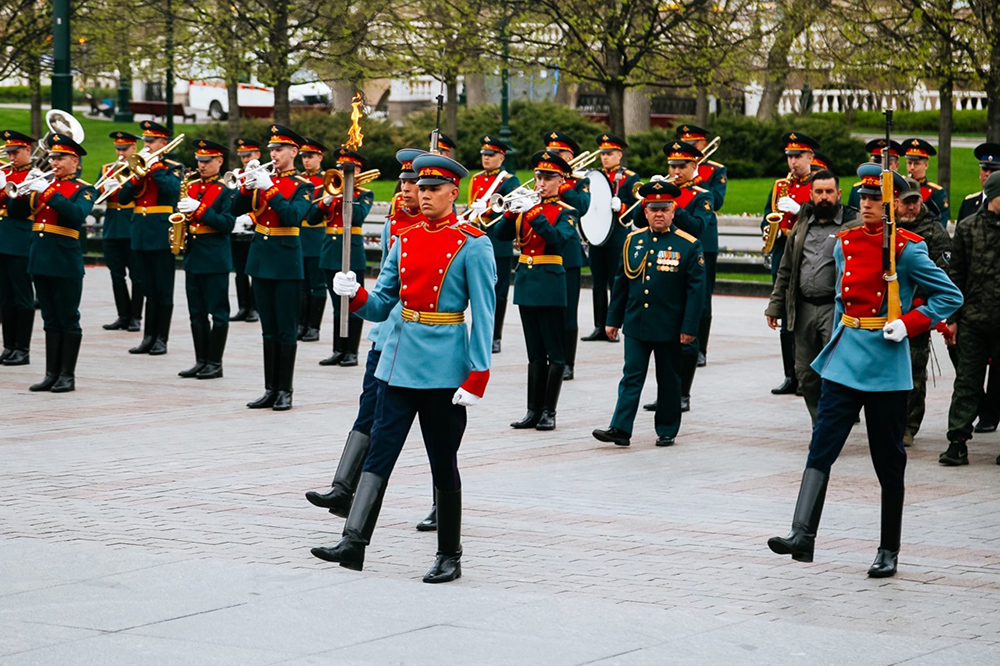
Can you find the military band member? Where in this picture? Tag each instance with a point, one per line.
(274, 207)
(117, 239)
(541, 232)
(446, 145)
(820, 162)
(17, 298)
(604, 259)
(403, 214)
(329, 211)
(711, 174)
(437, 269)
(656, 303)
(988, 155)
(208, 259)
(492, 154)
(246, 150)
(575, 191)
(786, 197)
(313, 298)
(918, 154)
(874, 148)
(55, 259)
(154, 196)
(867, 364)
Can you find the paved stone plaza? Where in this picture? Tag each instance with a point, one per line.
(151, 519)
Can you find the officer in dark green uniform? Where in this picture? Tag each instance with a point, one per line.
(246, 306)
(574, 191)
(604, 258)
(330, 212)
(208, 259)
(542, 232)
(55, 259)
(116, 233)
(154, 195)
(657, 301)
(493, 152)
(312, 299)
(274, 206)
(17, 299)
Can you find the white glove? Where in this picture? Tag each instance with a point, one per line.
(262, 180)
(346, 284)
(39, 185)
(110, 185)
(788, 205)
(616, 204)
(521, 205)
(477, 208)
(150, 161)
(188, 205)
(464, 399)
(244, 224)
(3, 180)
(895, 331)
(327, 200)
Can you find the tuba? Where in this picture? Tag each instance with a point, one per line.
(774, 219)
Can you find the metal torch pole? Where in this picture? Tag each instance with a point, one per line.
(347, 214)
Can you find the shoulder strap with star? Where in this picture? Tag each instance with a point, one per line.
(685, 235)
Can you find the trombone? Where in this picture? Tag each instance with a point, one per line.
(138, 164)
(236, 178)
(635, 192)
(121, 175)
(582, 161)
(333, 182)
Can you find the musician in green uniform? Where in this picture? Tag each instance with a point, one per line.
(274, 205)
(17, 298)
(918, 154)
(492, 154)
(208, 260)
(55, 259)
(116, 232)
(656, 302)
(312, 298)
(246, 307)
(154, 195)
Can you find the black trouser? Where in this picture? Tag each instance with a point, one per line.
(604, 261)
(156, 269)
(59, 298)
(571, 313)
(244, 295)
(278, 305)
(15, 284)
(371, 390)
(208, 295)
(119, 259)
(442, 425)
(543, 333)
(502, 289)
(704, 328)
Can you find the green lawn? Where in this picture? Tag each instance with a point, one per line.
(743, 195)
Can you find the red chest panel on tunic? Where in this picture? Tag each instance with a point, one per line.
(401, 219)
(569, 184)
(264, 213)
(317, 181)
(800, 193)
(44, 213)
(863, 284)
(688, 194)
(925, 192)
(424, 259)
(206, 193)
(335, 214)
(16, 177)
(149, 192)
(480, 183)
(530, 242)
(705, 172)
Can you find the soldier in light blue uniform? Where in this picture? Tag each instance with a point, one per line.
(867, 364)
(437, 269)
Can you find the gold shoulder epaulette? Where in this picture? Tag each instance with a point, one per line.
(974, 195)
(478, 173)
(714, 163)
(933, 186)
(685, 235)
(699, 188)
(629, 173)
(83, 182)
(506, 175)
(565, 205)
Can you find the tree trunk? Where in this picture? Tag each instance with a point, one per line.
(701, 106)
(232, 92)
(475, 90)
(637, 106)
(35, 86)
(279, 42)
(282, 111)
(451, 109)
(616, 107)
(946, 90)
(992, 85)
(793, 19)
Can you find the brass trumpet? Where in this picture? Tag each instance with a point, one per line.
(138, 164)
(333, 182)
(15, 190)
(501, 204)
(236, 178)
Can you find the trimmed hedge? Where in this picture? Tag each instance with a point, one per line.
(22, 94)
(970, 121)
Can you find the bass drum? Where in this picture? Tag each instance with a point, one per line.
(599, 221)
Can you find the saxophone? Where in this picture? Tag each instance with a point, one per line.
(179, 221)
(774, 219)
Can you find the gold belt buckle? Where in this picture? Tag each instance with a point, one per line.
(416, 316)
(530, 260)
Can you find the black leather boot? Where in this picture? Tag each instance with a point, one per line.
(704, 328)
(164, 313)
(9, 327)
(338, 347)
(689, 363)
(24, 322)
(553, 386)
(338, 499)
(135, 308)
(430, 523)
(70, 351)
(53, 361)
(314, 317)
(350, 359)
(887, 557)
(122, 306)
(498, 316)
(270, 358)
(570, 342)
(537, 376)
(801, 541)
(242, 298)
(791, 384)
(148, 330)
(285, 375)
(199, 334)
(448, 562)
(349, 552)
(216, 348)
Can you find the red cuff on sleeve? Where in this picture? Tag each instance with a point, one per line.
(916, 322)
(200, 210)
(44, 197)
(476, 383)
(269, 194)
(359, 299)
